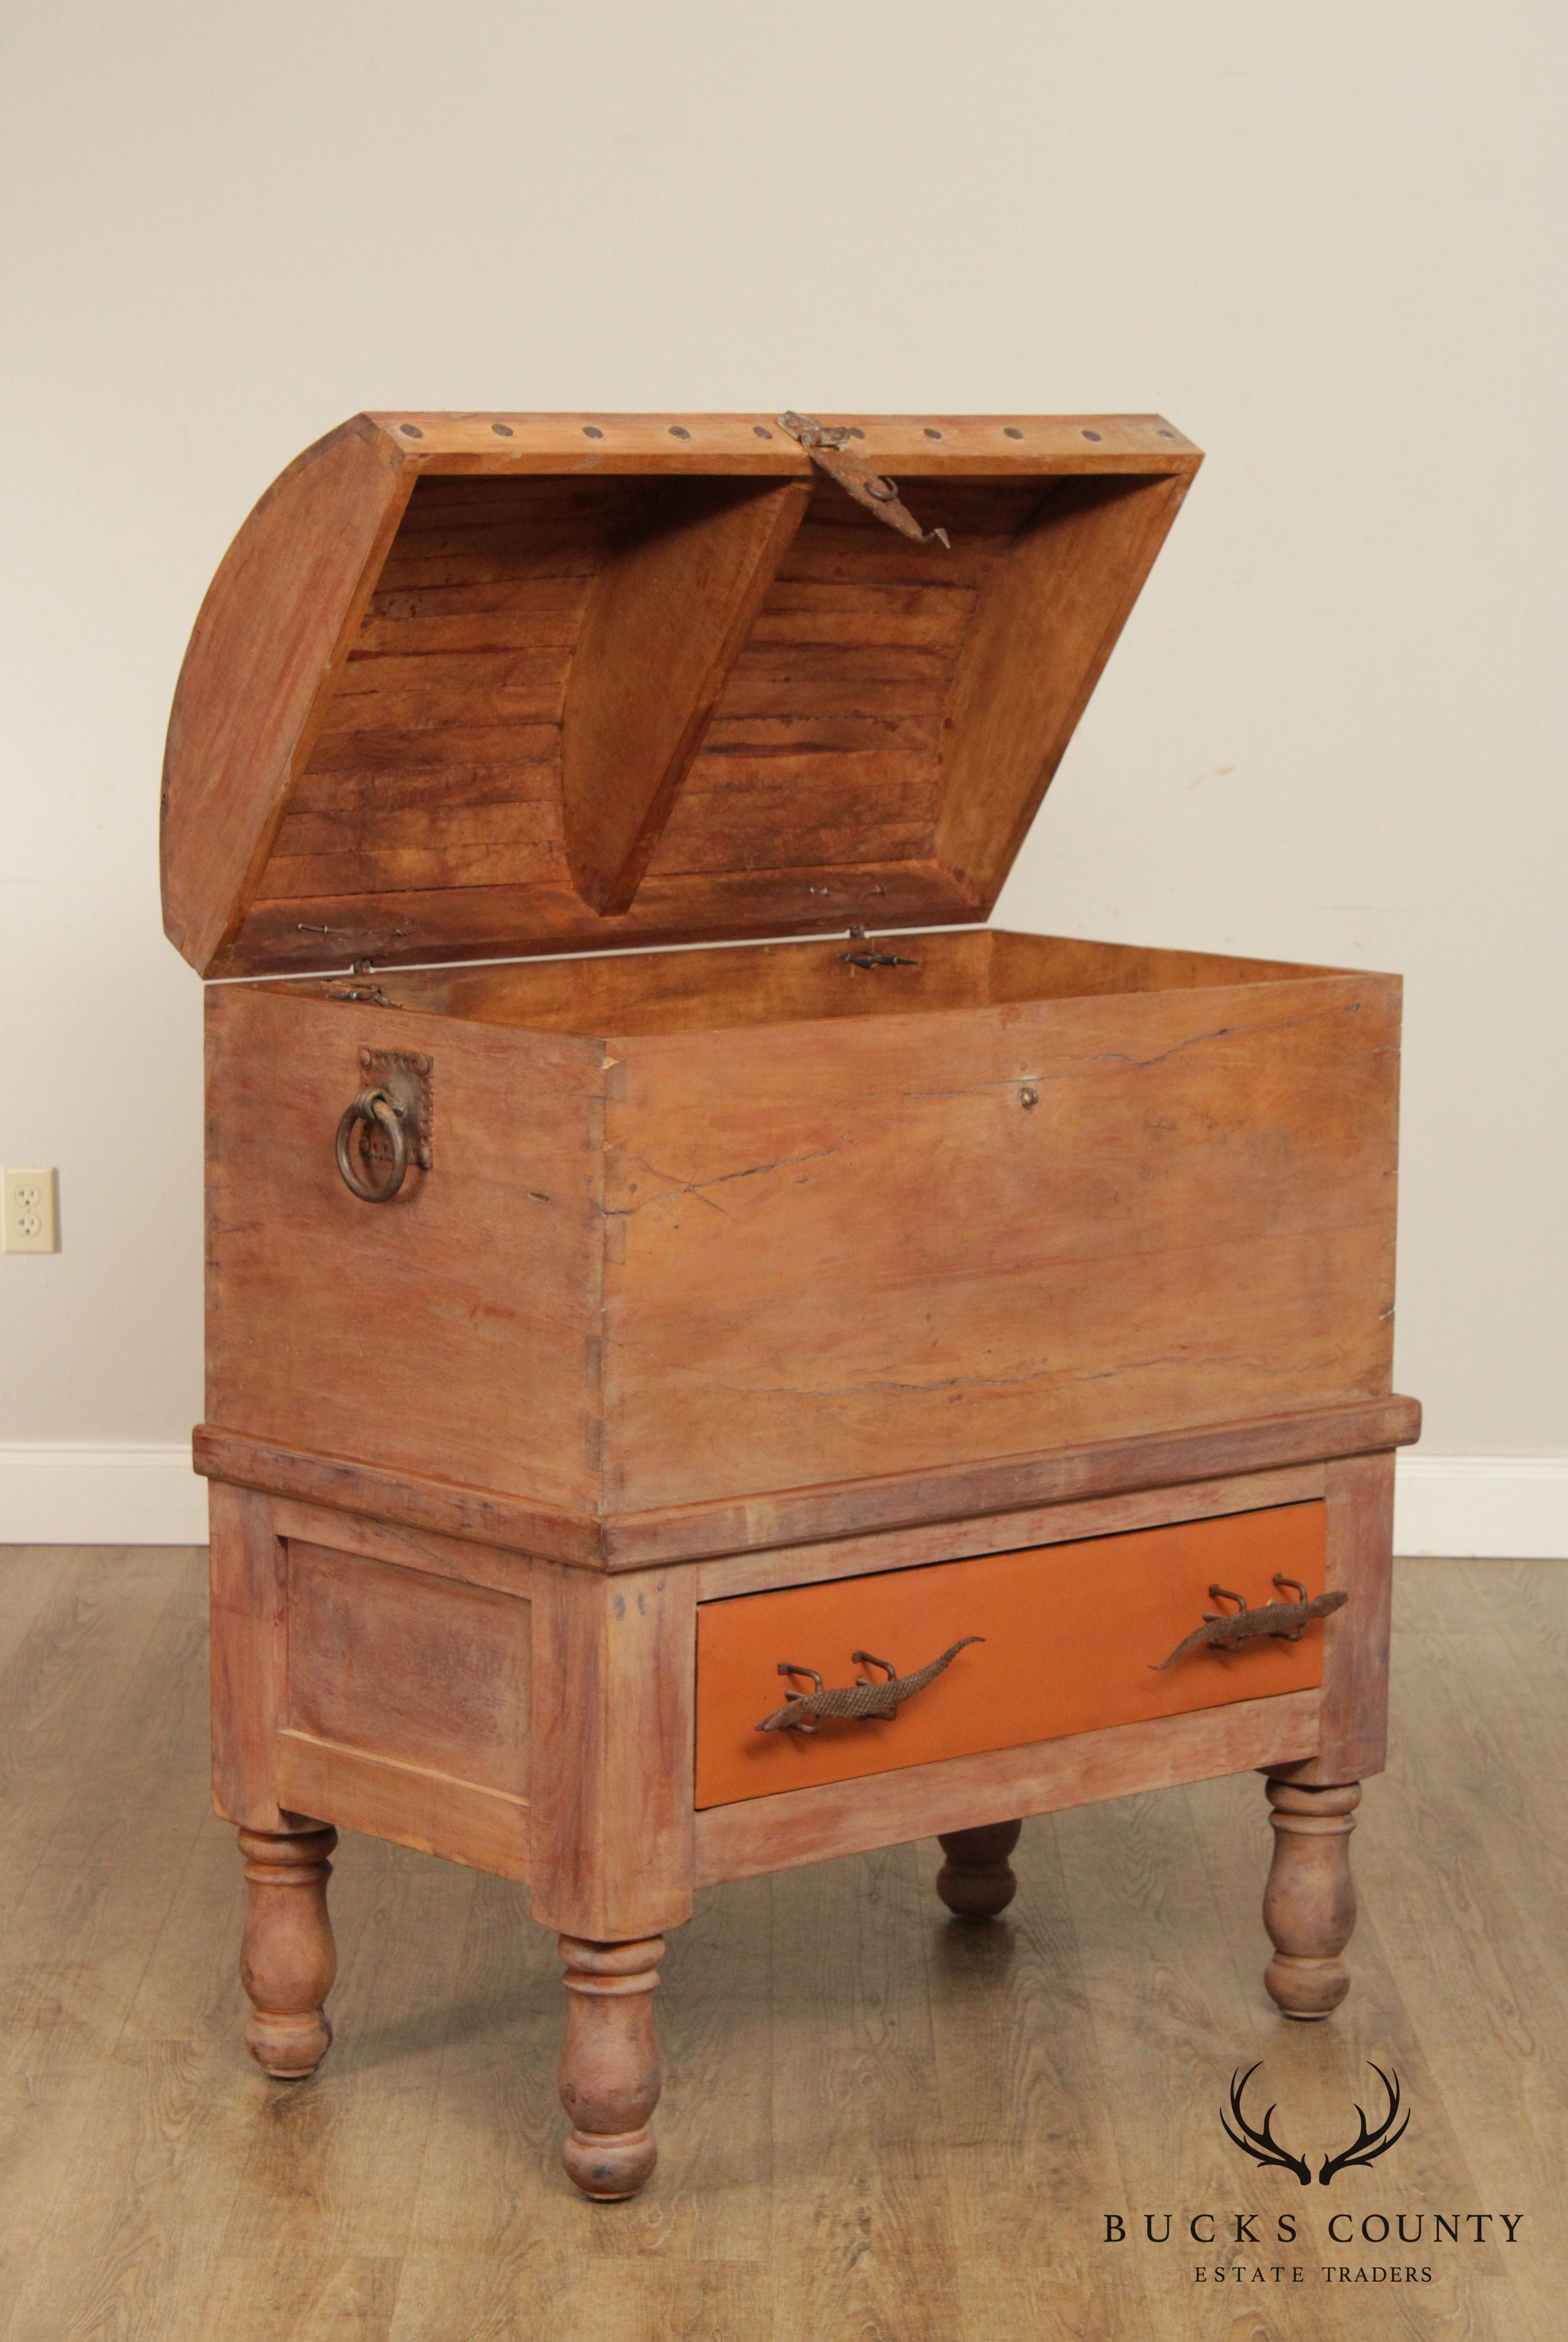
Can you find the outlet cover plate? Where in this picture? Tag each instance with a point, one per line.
(29, 1214)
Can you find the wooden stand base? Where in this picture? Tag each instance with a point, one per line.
(1309, 1903)
(288, 1960)
(976, 1880)
(610, 2077)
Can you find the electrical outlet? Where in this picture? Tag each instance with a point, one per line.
(31, 1222)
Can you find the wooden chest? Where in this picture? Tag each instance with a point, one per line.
(616, 1346)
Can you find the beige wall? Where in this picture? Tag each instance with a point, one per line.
(1324, 237)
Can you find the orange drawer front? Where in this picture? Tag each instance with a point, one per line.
(1073, 1635)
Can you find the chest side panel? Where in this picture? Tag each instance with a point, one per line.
(915, 1242)
(411, 1669)
(452, 1333)
(1072, 1637)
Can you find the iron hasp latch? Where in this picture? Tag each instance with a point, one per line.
(828, 446)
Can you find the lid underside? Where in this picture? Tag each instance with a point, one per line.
(470, 686)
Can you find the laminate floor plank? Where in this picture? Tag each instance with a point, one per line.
(36, 1577)
(1525, 1604)
(1167, 1997)
(880, 2124)
(1472, 1921)
(109, 1849)
(336, 2160)
(714, 2011)
(85, 1909)
(82, 1654)
(497, 2242)
(1319, 2073)
(861, 2221)
(1024, 2121)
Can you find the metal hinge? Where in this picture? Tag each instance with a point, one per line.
(873, 958)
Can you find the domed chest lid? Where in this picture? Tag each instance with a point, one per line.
(475, 685)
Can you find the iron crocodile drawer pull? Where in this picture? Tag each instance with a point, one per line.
(376, 1110)
(805, 1711)
(1227, 1631)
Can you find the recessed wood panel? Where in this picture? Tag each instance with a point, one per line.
(418, 1671)
(1073, 1638)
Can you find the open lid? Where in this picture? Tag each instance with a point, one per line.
(474, 685)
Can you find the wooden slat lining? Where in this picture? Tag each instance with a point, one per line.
(817, 1825)
(519, 861)
(693, 1532)
(454, 696)
(488, 758)
(483, 813)
(820, 645)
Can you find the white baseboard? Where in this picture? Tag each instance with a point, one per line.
(1490, 1508)
(55, 1492)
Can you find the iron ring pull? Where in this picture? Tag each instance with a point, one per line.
(374, 1107)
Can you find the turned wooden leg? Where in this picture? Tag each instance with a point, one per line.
(288, 1960)
(610, 2077)
(1309, 1903)
(976, 1880)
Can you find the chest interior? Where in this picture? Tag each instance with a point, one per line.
(640, 994)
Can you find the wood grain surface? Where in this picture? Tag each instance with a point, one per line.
(875, 2120)
(271, 636)
(943, 1501)
(612, 1676)
(464, 688)
(248, 1609)
(1059, 1220)
(452, 1332)
(663, 625)
(933, 1230)
(386, 1659)
(840, 1817)
(859, 1557)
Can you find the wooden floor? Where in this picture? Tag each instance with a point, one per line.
(879, 2125)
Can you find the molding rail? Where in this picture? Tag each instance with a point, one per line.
(63, 1492)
